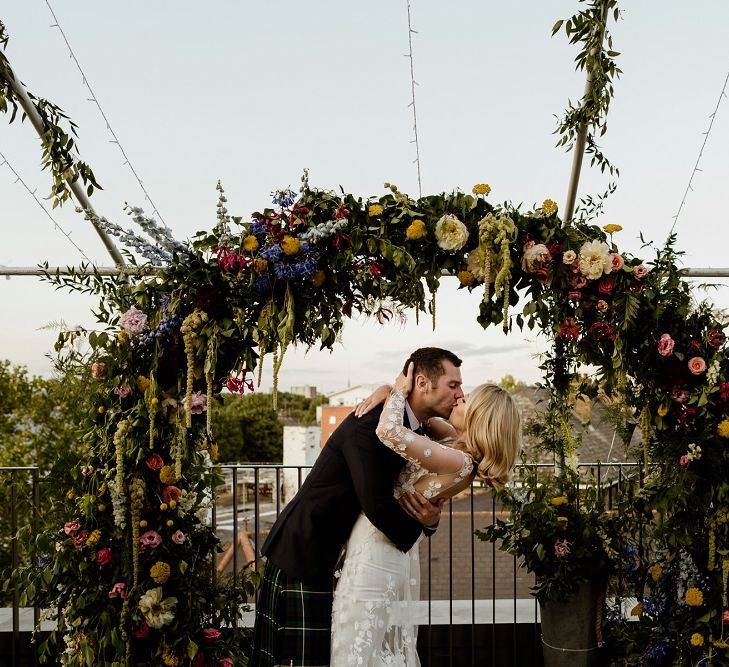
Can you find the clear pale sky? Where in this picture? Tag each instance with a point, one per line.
(251, 93)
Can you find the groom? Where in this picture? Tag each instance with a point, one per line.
(354, 473)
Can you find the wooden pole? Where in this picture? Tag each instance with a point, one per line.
(73, 181)
(579, 149)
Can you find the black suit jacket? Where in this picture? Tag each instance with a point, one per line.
(354, 473)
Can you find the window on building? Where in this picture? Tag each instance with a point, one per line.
(332, 419)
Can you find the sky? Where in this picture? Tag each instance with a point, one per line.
(252, 93)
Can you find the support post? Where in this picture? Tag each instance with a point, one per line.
(579, 149)
(29, 108)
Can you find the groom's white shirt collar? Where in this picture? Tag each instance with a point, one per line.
(414, 421)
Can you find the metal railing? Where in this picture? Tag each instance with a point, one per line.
(475, 601)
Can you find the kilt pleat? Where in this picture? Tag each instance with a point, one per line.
(293, 623)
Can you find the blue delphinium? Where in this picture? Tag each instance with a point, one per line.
(283, 198)
(271, 253)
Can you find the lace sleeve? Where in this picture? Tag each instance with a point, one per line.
(417, 448)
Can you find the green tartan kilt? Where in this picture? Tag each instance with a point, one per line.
(293, 623)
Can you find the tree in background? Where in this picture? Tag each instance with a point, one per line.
(510, 384)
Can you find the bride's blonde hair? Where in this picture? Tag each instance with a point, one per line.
(492, 432)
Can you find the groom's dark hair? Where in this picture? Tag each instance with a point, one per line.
(429, 362)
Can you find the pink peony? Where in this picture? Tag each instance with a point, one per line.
(103, 557)
(133, 321)
(665, 345)
(79, 539)
(178, 537)
(118, 590)
(142, 630)
(155, 462)
(640, 271)
(602, 305)
(171, 493)
(684, 461)
(616, 261)
(71, 527)
(150, 539)
(198, 403)
(697, 365)
(562, 548)
(98, 370)
(123, 391)
(680, 395)
(606, 285)
(211, 635)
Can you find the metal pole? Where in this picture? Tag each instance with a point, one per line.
(72, 180)
(579, 150)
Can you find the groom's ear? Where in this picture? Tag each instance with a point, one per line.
(421, 382)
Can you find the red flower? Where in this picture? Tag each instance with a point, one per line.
(79, 539)
(239, 383)
(171, 493)
(574, 295)
(569, 329)
(155, 462)
(606, 286)
(602, 330)
(347, 308)
(103, 557)
(554, 248)
(341, 212)
(211, 635)
(724, 393)
(715, 338)
(342, 241)
(141, 631)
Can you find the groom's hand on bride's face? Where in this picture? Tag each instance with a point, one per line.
(421, 509)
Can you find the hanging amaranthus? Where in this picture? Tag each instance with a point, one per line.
(210, 362)
(645, 433)
(191, 326)
(153, 407)
(496, 233)
(118, 496)
(137, 492)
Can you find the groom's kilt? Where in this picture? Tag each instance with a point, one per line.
(293, 623)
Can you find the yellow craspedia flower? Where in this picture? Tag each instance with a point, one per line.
(416, 231)
(374, 210)
(160, 572)
(481, 189)
(637, 610)
(723, 428)
(559, 500)
(259, 265)
(697, 639)
(612, 228)
(290, 245)
(663, 410)
(101, 507)
(694, 597)
(466, 278)
(142, 383)
(93, 539)
(656, 571)
(549, 207)
(101, 409)
(122, 336)
(318, 278)
(250, 243)
(720, 643)
(170, 658)
(167, 475)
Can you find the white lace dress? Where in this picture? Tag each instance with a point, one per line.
(373, 618)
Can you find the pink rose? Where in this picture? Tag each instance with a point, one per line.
(150, 539)
(536, 255)
(123, 391)
(665, 345)
(225, 662)
(118, 590)
(98, 370)
(211, 635)
(79, 539)
(142, 630)
(602, 305)
(171, 493)
(133, 321)
(198, 403)
(616, 261)
(697, 365)
(178, 537)
(640, 271)
(569, 256)
(103, 557)
(680, 395)
(155, 462)
(606, 285)
(71, 527)
(683, 461)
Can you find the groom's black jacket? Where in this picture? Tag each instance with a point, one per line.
(354, 473)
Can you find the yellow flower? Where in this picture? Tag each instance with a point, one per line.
(167, 475)
(697, 639)
(160, 572)
(142, 524)
(416, 230)
(466, 278)
(122, 336)
(259, 265)
(250, 243)
(694, 597)
(375, 209)
(317, 280)
(656, 571)
(170, 523)
(142, 383)
(101, 409)
(559, 500)
(612, 228)
(549, 207)
(723, 428)
(101, 507)
(290, 245)
(93, 539)
(481, 189)
(637, 610)
(663, 410)
(170, 658)
(213, 451)
(154, 400)
(563, 520)
(720, 643)
(163, 507)
(173, 504)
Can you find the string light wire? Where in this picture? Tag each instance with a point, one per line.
(413, 83)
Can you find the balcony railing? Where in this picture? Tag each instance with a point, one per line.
(475, 602)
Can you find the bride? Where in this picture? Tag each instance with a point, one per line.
(373, 622)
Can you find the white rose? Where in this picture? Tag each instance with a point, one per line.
(157, 611)
(535, 257)
(569, 256)
(450, 233)
(595, 259)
